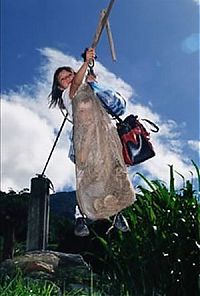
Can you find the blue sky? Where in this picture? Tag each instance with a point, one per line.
(157, 68)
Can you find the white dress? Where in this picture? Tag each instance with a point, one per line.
(68, 106)
(67, 102)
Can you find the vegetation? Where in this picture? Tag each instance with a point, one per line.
(13, 217)
(19, 286)
(159, 256)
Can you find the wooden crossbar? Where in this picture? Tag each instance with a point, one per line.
(110, 40)
(101, 24)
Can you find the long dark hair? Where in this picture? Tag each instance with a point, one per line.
(56, 93)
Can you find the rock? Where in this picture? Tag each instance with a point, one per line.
(65, 270)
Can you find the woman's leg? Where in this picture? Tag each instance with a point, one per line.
(121, 223)
(81, 228)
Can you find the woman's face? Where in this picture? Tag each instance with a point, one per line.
(64, 79)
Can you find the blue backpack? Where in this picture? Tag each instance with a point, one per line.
(113, 102)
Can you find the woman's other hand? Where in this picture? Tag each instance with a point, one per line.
(91, 78)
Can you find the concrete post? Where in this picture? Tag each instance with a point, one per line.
(38, 214)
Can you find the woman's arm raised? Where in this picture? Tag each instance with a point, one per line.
(78, 78)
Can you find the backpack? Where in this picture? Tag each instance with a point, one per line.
(112, 101)
(136, 145)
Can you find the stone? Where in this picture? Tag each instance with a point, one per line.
(65, 270)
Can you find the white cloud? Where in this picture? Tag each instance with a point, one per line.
(194, 145)
(191, 43)
(197, 2)
(27, 138)
(28, 131)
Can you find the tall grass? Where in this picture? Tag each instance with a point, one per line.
(159, 256)
(20, 286)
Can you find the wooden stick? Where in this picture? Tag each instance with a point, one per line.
(101, 25)
(110, 39)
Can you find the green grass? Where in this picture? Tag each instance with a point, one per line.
(20, 286)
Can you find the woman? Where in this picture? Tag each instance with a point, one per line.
(102, 185)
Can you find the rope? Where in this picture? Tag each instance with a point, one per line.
(54, 145)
